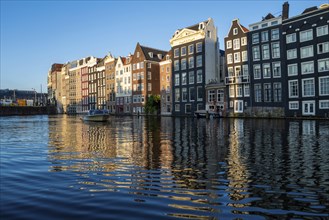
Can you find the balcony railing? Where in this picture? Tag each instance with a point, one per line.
(237, 80)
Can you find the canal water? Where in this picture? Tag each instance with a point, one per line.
(58, 167)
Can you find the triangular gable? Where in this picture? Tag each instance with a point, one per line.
(184, 33)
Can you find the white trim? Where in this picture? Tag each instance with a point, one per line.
(307, 79)
(323, 77)
(293, 102)
(312, 102)
(324, 101)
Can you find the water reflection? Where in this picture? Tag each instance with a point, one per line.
(197, 168)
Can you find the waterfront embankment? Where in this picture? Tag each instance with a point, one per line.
(27, 110)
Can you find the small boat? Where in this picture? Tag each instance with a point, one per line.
(96, 115)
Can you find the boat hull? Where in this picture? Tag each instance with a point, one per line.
(96, 118)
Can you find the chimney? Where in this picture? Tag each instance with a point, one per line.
(285, 11)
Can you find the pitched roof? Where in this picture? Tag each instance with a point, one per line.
(147, 50)
(244, 28)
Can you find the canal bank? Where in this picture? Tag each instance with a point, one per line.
(27, 110)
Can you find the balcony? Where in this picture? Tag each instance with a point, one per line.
(237, 80)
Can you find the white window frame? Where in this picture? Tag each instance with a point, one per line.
(306, 51)
(273, 33)
(303, 70)
(199, 45)
(255, 38)
(244, 56)
(231, 91)
(253, 53)
(275, 54)
(268, 55)
(235, 31)
(321, 93)
(239, 90)
(325, 47)
(191, 49)
(326, 65)
(243, 41)
(324, 101)
(246, 90)
(292, 65)
(229, 44)
(322, 30)
(269, 68)
(236, 44)
(260, 71)
(276, 75)
(308, 33)
(292, 52)
(237, 57)
(290, 89)
(238, 106)
(264, 36)
(303, 84)
(229, 58)
(293, 105)
(308, 103)
(291, 38)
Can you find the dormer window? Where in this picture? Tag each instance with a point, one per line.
(160, 56)
(151, 54)
(201, 26)
(167, 57)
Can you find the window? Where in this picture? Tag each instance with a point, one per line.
(245, 70)
(191, 49)
(290, 38)
(183, 64)
(232, 94)
(199, 47)
(200, 107)
(257, 72)
(276, 50)
(177, 107)
(276, 69)
(200, 93)
(277, 92)
(211, 95)
(324, 85)
(255, 53)
(230, 71)
(149, 65)
(199, 76)
(264, 36)
(176, 65)
(137, 54)
(184, 94)
(323, 65)
(266, 70)
(292, 69)
(307, 67)
(191, 62)
(264, 25)
(323, 48)
(229, 58)
(228, 44)
(188, 108)
(243, 41)
(177, 95)
(266, 51)
(238, 106)
(149, 87)
(244, 56)
(308, 87)
(183, 51)
(236, 44)
(275, 34)
(191, 77)
(246, 90)
(324, 104)
(323, 30)
(306, 35)
(293, 88)
(192, 94)
(176, 79)
(237, 71)
(149, 75)
(237, 57)
(238, 90)
(176, 52)
(294, 105)
(184, 79)
(291, 54)
(255, 38)
(235, 31)
(267, 92)
(306, 51)
(199, 61)
(258, 92)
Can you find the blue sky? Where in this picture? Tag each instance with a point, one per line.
(35, 34)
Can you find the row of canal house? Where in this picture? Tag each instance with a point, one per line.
(279, 66)
(275, 67)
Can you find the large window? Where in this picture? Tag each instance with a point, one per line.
(266, 51)
(266, 70)
(275, 34)
(229, 58)
(236, 44)
(230, 71)
(306, 35)
(192, 94)
(184, 94)
(322, 30)
(183, 64)
(324, 85)
(276, 69)
(264, 36)
(177, 95)
(277, 92)
(246, 90)
(176, 79)
(239, 90)
(232, 92)
(258, 92)
(245, 70)
(176, 65)
(184, 79)
(291, 54)
(191, 62)
(267, 92)
(199, 61)
(211, 95)
(308, 87)
(290, 38)
(244, 56)
(293, 88)
(323, 48)
(243, 41)
(200, 93)
(306, 51)
(323, 65)
(276, 50)
(257, 72)
(255, 53)
(176, 53)
(307, 67)
(199, 76)
(293, 69)
(255, 38)
(191, 77)
(237, 57)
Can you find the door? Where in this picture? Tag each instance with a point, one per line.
(238, 106)
(308, 107)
